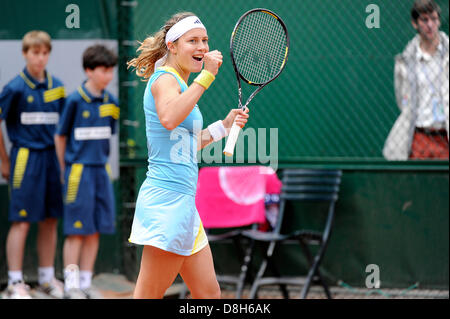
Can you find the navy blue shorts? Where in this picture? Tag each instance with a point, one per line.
(35, 185)
(88, 200)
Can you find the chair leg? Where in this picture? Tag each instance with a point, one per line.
(325, 287)
(261, 270)
(314, 271)
(244, 269)
(307, 285)
(321, 253)
(255, 285)
(183, 292)
(283, 287)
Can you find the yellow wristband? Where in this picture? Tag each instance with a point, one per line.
(205, 78)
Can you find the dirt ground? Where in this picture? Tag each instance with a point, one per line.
(114, 286)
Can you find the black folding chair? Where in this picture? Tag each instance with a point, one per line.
(311, 185)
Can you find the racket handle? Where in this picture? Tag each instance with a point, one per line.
(232, 138)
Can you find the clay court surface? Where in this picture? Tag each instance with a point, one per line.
(114, 286)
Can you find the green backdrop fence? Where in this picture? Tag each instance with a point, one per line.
(335, 100)
(333, 106)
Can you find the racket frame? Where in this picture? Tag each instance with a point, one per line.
(239, 76)
(235, 129)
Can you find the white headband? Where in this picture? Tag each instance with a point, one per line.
(183, 26)
(177, 30)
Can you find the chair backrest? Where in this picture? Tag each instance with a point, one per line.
(319, 185)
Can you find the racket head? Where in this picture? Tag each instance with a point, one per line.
(259, 46)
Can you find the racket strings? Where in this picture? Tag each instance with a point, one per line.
(262, 66)
(259, 47)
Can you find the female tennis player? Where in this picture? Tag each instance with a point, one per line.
(166, 220)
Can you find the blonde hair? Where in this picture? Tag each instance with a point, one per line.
(36, 38)
(154, 48)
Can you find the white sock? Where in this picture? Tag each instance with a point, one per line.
(85, 279)
(14, 276)
(71, 277)
(45, 274)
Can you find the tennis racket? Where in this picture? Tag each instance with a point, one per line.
(259, 48)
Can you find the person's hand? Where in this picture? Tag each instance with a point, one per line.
(238, 114)
(212, 61)
(5, 169)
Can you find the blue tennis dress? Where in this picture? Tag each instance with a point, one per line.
(166, 216)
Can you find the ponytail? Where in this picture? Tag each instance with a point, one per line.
(153, 48)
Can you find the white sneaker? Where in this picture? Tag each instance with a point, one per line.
(54, 288)
(18, 290)
(93, 293)
(74, 293)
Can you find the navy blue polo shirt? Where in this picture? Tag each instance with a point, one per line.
(88, 122)
(31, 109)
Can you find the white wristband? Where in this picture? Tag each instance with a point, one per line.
(217, 130)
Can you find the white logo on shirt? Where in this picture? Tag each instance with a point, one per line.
(33, 118)
(92, 133)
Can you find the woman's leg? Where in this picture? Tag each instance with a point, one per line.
(199, 275)
(159, 269)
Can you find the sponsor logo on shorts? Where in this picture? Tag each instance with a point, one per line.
(78, 224)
